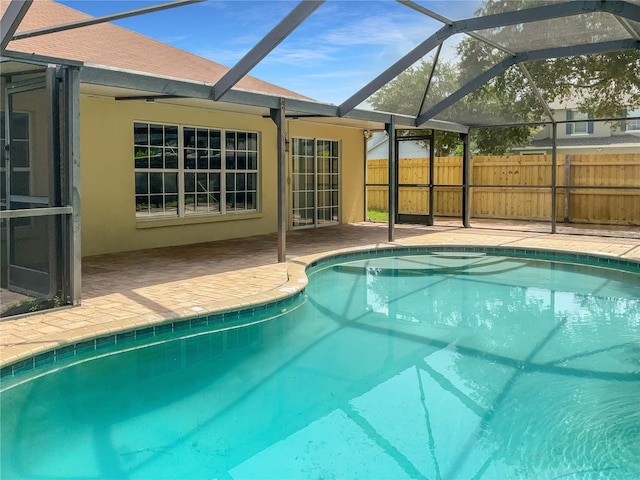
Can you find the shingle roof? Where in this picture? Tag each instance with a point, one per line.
(586, 141)
(113, 46)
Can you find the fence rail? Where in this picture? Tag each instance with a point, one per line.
(602, 189)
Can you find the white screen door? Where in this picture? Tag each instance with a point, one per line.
(28, 184)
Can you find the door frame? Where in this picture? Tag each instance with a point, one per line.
(315, 173)
(413, 218)
(22, 279)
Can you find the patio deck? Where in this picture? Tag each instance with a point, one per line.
(135, 289)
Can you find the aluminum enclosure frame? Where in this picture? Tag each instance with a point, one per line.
(624, 11)
(223, 91)
(619, 8)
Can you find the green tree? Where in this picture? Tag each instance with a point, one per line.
(505, 99)
(602, 85)
(404, 95)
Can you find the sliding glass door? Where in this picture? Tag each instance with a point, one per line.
(315, 177)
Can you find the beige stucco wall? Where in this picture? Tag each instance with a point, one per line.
(595, 150)
(592, 150)
(107, 175)
(600, 129)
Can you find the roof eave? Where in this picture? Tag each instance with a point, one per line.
(36, 59)
(114, 77)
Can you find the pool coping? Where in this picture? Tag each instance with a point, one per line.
(17, 359)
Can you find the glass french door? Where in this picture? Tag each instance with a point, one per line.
(315, 187)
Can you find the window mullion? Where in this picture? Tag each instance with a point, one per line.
(223, 172)
(181, 192)
(315, 182)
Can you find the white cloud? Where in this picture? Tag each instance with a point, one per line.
(334, 74)
(224, 56)
(294, 56)
(377, 30)
(379, 35)
(175, 39)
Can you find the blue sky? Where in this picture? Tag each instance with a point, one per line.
(337, 50)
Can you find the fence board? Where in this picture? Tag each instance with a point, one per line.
(609, 170)
(377, 171)
(532, 175)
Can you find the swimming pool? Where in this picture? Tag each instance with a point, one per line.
(437, 365)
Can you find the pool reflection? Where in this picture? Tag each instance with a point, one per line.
(441, 371)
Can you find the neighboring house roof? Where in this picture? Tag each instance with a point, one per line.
(587, 141)
(377, 139)
(378, 147)
(109, 45)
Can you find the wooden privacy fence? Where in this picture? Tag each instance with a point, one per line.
(603, 189)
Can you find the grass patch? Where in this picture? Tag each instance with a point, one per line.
(377, 216)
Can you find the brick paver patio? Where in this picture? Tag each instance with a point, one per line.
(130, 290)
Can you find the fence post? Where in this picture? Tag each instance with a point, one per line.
(432, 159)
(567, 191)
(466, 170)
(554, 175)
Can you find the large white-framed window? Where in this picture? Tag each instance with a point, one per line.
(634, 124)
(584, 127)
(315, 182)
(156, 169)
(202, 169)
(183, 170)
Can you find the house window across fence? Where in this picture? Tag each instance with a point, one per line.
(183, 171)
(579, 128)
(633, 125)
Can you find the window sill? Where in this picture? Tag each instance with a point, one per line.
(195, 220)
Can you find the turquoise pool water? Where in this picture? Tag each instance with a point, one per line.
(437, 366)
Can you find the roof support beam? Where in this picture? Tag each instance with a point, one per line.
(445, 20)
(630, 11)
(425, 11)
(465, 90)
(626, 24)
(102, 19)
(265, 46)
(11, 19)
(527, 15)
(534, 88)
(153, 86)
(427, 88)
(35, 59)
(543, 54)
(536, 92)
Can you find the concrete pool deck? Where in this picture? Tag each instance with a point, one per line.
(131, 290)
